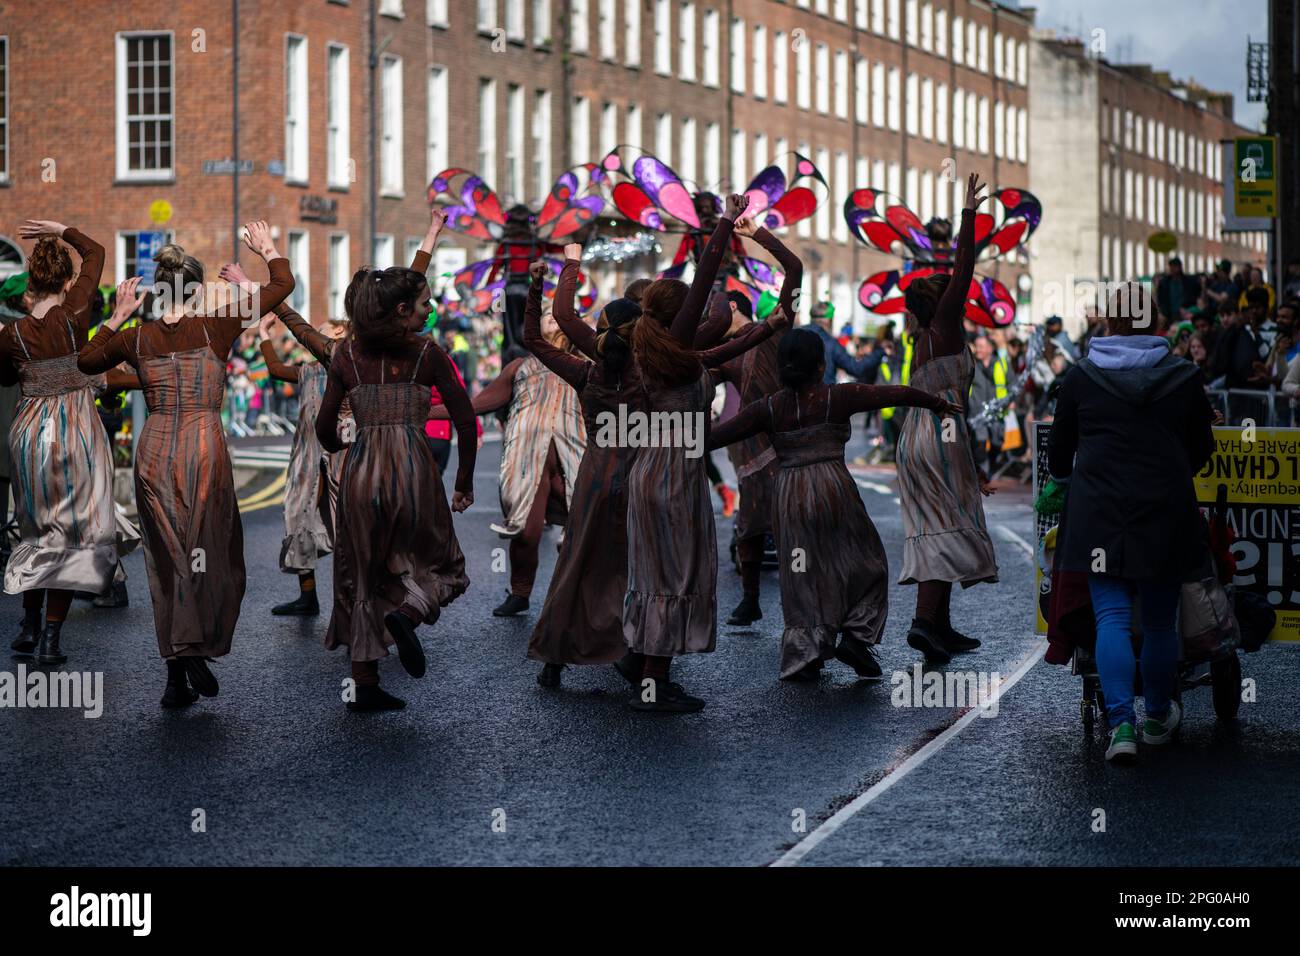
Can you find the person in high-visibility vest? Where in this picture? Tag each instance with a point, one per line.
(888, 426)
(989, 383)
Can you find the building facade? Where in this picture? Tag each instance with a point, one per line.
(330, 117)
(1119, 154)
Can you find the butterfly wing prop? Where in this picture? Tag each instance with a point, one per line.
(575, 199)
(776, 202)
(884, 223)
(988, 302)
(1013, 216)
(472, 208)
(646, 191)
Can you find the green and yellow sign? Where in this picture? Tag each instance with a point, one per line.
(1255, 162)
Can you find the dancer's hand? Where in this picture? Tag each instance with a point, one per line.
(460, 500)
(778, 320)
(40, 228)
(746, 227)
(127, 302)
(973, 189)
(437, 219)
(264, 327)
(986, 486)
(737, 203)
(257, 236)
(233, 272)
(950, 408)
(573, 251)
(537, 270)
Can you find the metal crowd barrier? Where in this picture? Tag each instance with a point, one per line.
(1269, 408)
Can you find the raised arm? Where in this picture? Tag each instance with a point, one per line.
(227, 322)
(791, 264)
(714, 329)
(320, 345)
(852, 398)
(278, 369)
(110, 347)
(755, 418)
(579, 332)
(688, 316)
(952, 305)
(327, 417)
(569, 367)
(424, 255)
(77, 301)
(754, 334)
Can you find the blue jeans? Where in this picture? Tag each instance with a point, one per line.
(1112, 606)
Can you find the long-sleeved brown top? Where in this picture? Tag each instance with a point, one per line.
(788, 410)
(280, 371)
(356, 367)
(47, 337)
(734, 371)
(687, 320)
(582, 335)
(945, 335)
(572, 368)
(217, 329)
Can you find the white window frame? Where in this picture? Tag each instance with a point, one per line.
(437, 131)
(435, 13)
(516, 175)
(487, 130)
(780, 68)
(738, 29)
(339, 268)
(4, 116)
(686, 42)
(663, 26)
(392, 124)
(124, 172)
(297, 151)
(540, 119)
(388, 257)
(632, 32)
(297, 249)
(338, 117)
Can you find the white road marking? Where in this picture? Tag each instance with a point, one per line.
(805, 846)
(1006, 534)
(875, 486)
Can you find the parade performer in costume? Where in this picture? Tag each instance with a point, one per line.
(834, 572)
(397, 562)
(184, 486)
(754, 377)
(62, 465)
(947, 541)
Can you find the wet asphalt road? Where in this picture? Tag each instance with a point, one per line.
(284, 775)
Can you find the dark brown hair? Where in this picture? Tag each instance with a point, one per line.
(662, 359)
(636, 289)
(923, 295)
(376, 326)
(350, 294)
(49, 267)
(1128, 303)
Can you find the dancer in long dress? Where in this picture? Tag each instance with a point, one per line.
(63, 468)
(834, 572)
(947, 541)
(184, 486)
(541, 451)
(582, 619)
(754, 377)
(397, 562)
(670, 607)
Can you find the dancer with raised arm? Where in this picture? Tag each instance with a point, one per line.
(754, 377)
(834, 572)
(397, 562)
(670, 608)
(947, 541)
(184, 486)
(62, 465)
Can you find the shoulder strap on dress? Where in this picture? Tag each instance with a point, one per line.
(19, 335)
(419, 361)
(72, 336)
(830, 392)
(355, 371)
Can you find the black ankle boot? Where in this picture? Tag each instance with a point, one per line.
(114, 596)
(922, 636)
(512, 605)
(409, 651)
(746, 612)
(550, 675)
(630, 667)
(371, 697)
(304, 605)
(200, 675)
(955, 641)
(178, 692)
(30, 633)
(48, 652)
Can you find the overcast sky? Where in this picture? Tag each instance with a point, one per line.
(1202, 40)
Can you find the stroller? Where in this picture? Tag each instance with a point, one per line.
(1208, 625)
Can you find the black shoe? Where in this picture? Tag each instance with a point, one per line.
(84, 595)
(630, 667)
(550, 675)
(29, 634)
(178, 692)
(304, 605)
(955, 641)
(861, 659)
(409, 651)
(669, 698)
(923, 638)
(48, 652)
(114, 596)
(512, 605)
(200, 675)
(371, 697)
(808, 673)
(746, 612)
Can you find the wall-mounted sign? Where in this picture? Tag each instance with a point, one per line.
(147, 245)
(275, 167)
(226, 167)
(318, 209)
(160, 212)
(1162, 242)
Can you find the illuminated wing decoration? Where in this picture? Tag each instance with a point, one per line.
(574, 201)
(1014, 215)
(472, 208)
(646, 191)
(776, 203)
(988, 301)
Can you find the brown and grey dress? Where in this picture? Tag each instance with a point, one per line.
(184, 486)
(62, 467)
(833, 568)
(394, 544)
(307, 537)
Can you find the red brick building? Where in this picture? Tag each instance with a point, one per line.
(116, 111)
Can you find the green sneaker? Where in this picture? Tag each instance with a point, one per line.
(1123, 744)
(1162, 731)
